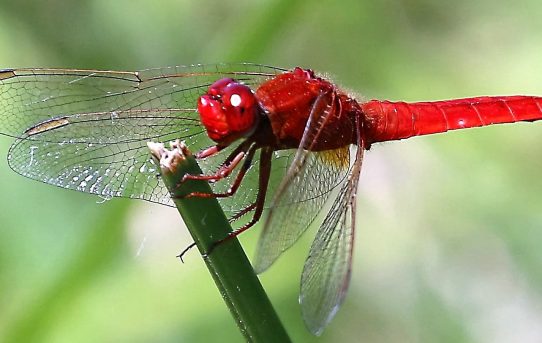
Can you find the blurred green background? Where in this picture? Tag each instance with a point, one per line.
(450, 226)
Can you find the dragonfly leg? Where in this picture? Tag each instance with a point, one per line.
(230, 192)
(185, 250)
(225, 168)
(210, 151)
(224, 171)
(237, 182)
(258, 205)
(242, 212)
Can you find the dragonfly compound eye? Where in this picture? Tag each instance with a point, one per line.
(228, 111)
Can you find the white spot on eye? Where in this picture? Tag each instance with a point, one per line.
(235, 100)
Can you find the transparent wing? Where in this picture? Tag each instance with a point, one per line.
(248, 190)
(93, 153)
(300, 203)
(326, 273)
(87, 130)
(303, 190)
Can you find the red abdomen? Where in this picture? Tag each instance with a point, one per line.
(386, 120)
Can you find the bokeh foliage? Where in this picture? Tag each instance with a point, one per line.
(448, 246)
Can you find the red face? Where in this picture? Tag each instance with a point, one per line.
(228, 111)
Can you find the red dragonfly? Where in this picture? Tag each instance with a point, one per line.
(253, 127)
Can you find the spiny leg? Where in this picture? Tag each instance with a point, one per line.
(210, 151)
(225, 168)
(258, 205)
(246, 165)
(242, 212)
(237, 182)
(185, 250)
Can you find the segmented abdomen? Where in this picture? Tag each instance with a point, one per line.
(386, 120)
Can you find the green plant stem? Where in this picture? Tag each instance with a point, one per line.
(227, 263)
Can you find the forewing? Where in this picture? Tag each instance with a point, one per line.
(326, 274)
(93, 153)
(87, 130)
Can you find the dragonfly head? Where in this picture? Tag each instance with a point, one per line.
(228, 111)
